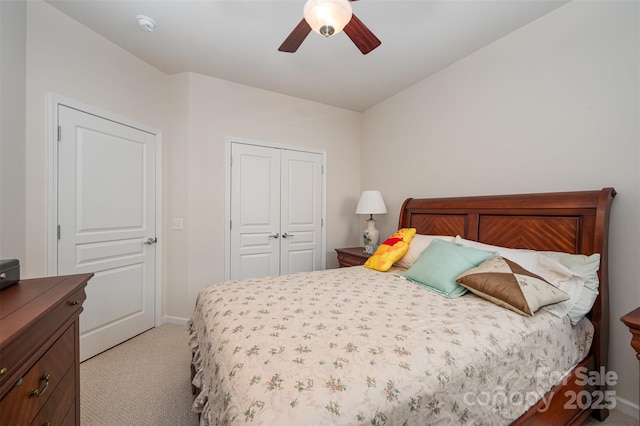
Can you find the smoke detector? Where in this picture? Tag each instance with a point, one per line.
(145, 23)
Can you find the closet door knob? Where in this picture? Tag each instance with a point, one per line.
(275, 235)
(151, 241)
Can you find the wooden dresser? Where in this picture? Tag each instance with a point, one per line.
(39, 351)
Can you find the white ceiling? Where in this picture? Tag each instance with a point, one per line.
(237, 40)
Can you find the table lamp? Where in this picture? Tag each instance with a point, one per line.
(371, 203)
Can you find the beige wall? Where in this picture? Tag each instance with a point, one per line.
(550, 107)
(13, 40)
(218, 109)
(66, 59)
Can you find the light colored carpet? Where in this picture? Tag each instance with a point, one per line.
(616, 418)
(145, 381)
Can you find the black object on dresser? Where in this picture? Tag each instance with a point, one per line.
(9, 272)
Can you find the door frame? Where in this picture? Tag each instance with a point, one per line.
(227, 195)
(53, 102)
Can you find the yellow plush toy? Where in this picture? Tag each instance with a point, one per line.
(391, 250)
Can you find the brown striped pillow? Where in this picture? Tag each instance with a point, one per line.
(509, 285)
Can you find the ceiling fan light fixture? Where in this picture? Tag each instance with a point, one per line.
(327, 17)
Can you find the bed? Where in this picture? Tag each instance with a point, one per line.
(359, 346)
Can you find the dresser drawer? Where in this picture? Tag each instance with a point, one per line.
(26, 344)
(346, 260)
(60, 403)
(70, 416)
(32, 391)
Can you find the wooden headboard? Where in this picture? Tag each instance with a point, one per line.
(572, 222)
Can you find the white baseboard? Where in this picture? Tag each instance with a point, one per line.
(627, 407)
(174, 320)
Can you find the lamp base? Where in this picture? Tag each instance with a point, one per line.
(370, 249)
(371, 236)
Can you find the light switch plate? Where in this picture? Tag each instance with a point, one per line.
(178, 223)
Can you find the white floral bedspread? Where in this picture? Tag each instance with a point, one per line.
(356, 346)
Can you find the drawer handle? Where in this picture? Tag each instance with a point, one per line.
(3, 371)
(37, 392)
(74, 303)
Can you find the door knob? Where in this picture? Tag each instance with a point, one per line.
(274, 235)
(285, 235)
(151, 241)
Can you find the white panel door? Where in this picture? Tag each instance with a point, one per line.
(276, 211)
(301, 211)
(255, 206)
(106, 214)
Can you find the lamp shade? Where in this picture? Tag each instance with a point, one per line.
(327, 17)
(371, 202)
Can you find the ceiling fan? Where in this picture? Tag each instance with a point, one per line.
(329, 17)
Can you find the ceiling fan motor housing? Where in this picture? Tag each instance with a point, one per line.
(327, 30)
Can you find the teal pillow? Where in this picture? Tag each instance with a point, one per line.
(441, 263)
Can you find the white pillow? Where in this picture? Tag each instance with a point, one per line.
(417, 245)
(563, 278)
(585, 267)
(528, 259)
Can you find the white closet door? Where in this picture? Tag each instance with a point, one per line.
(276, 210)
(255, 211)
(301, 212)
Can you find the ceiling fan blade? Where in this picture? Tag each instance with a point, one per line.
(361, 36)
(295, 39)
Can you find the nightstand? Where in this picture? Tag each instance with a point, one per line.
(351, 256)
(632, 320)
